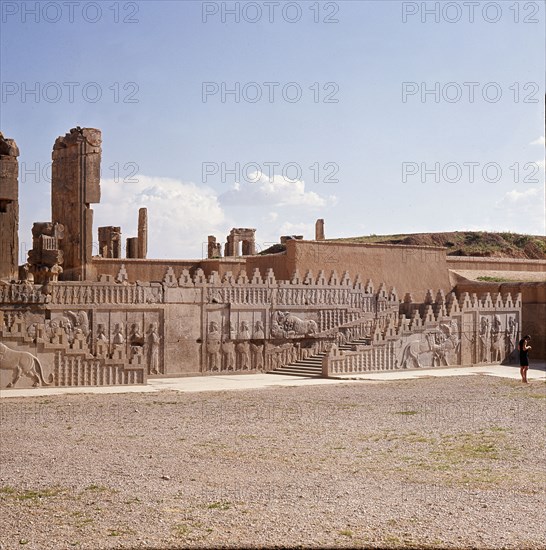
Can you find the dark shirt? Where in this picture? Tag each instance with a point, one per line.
(523, 353)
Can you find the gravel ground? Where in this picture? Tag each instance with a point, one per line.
(442, 462)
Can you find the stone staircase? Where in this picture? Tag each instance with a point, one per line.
(311, 367)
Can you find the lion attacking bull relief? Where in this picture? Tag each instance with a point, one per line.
(22, 362)
(433, 348)
(287, 325)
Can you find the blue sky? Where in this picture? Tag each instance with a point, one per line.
(150, 60)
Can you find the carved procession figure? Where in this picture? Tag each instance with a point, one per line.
(153, 349)
(228, 349)
(259, 333)
(485, 340)
(213, 347)
(243, 350)
(257, 351)
(244, 333)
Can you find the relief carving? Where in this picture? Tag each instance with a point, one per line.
(228, 349)
(213, 347)
(259, 333)
(243, 351)
(485, 340)
(257, 351)
(286, 325)
(244, 333)
(22, 362)
(434, 348)
(153, 353)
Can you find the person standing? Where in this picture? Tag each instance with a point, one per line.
(524, 348)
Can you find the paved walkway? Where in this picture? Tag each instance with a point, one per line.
(537, 371)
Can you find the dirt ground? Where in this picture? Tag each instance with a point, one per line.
(452, 462)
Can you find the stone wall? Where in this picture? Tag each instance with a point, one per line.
(411, 269)
(94, 333)
(9, 208)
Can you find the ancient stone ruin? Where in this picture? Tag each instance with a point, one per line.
(71, 318)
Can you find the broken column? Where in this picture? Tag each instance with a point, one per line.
(319, 230)
(230, 248)
(214, 249)
(46, 257)
(132, 249)
(142, 233)
(75, 185)
(110, 241)
(9, 208)
(211, 246)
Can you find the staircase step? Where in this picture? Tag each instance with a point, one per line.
(310, 367)
(297, 372)
(303, 368)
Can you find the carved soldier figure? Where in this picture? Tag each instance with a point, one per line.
(101, 335)
(244, 334)
(228, 349)
(243, 349)
(485, 339)
(257, 356)
(135, 338)
(153, 341)
(511, 337)
(101, 342)
(213, 347)
(118, 337)
(259, 331)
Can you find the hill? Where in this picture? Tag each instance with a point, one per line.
(468, 243)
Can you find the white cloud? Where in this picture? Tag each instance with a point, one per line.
(305, 229)
(519, 196)
(522, 211)
(277, 190)
(180, 215)
(539, 141)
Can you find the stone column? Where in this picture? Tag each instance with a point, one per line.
(319, 230)
(232, 245)
(211, 246)
(110, 241)
(142, 233)
(75, 185)
(9, 209)
(132, 250)
(249, 248)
